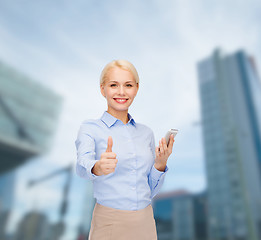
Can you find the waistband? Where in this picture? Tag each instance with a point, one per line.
(108, 211)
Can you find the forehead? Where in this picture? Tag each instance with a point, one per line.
(118, 74)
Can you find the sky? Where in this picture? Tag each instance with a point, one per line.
(64, 45)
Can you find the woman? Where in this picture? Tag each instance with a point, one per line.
(120, 157)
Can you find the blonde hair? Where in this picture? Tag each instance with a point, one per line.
(122, 64)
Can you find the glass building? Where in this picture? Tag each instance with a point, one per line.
(7, 183)
(230, 93)
(33, 226)
(28, 119)
(180, 215)
(86, 216)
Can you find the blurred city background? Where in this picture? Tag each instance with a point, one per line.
(199, 65)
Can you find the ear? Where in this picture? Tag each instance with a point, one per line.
(102, 90)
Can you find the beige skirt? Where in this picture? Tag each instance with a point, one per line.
(113, 224)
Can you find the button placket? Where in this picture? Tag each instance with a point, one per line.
(132, 158)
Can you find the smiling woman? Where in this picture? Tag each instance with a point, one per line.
(119, 87)
(120, 157)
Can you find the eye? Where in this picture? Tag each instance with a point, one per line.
(129, 85)
(113, 85)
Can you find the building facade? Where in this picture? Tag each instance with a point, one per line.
(29, 115)
(28, 119)
(180, 215)
(230, 93)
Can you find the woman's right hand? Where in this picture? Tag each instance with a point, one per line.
(107, 162)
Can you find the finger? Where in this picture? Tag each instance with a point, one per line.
(109, 170)
(167, 142)
(110, 166)
(164, 144)
(161, 147)
(110, 161)
(171, 142)
(109, 144)
(157, 152)
(106, 172)
(108, 155)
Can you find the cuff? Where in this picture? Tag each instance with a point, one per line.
(88, 165)
(89, 169)
(156, 174)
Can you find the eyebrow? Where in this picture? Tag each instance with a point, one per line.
(129, 81)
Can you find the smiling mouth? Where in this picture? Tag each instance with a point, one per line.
(120, 100)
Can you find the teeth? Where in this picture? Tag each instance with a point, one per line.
(121, 100)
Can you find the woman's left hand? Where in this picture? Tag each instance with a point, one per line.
(163, 152)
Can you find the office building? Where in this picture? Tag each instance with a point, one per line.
(33, 226)
(28, 118)
(86, 215)
(7, 183)
(230, 93)
(181, 215)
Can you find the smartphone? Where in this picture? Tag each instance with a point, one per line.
(169, 132)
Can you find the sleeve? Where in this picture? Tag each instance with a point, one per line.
(156, 177)
(85, 146)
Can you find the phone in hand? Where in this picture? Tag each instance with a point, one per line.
(169, 132)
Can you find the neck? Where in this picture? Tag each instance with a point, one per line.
(121, 115)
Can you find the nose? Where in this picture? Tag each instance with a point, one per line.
(121, 90)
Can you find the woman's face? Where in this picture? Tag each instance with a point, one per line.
(119, 89)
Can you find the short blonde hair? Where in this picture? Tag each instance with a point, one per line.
(123, 64)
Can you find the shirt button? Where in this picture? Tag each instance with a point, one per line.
(133, 188)
(134, 155)
(133, 171)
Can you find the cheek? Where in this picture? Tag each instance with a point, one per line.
(133, 93)
(108, 92)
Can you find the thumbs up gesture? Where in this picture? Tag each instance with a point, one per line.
(107, 162)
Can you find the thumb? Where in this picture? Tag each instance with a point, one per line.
(109, 145)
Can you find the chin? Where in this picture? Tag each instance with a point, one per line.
(120, 108)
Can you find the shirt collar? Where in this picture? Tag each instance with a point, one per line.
(109, 120)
